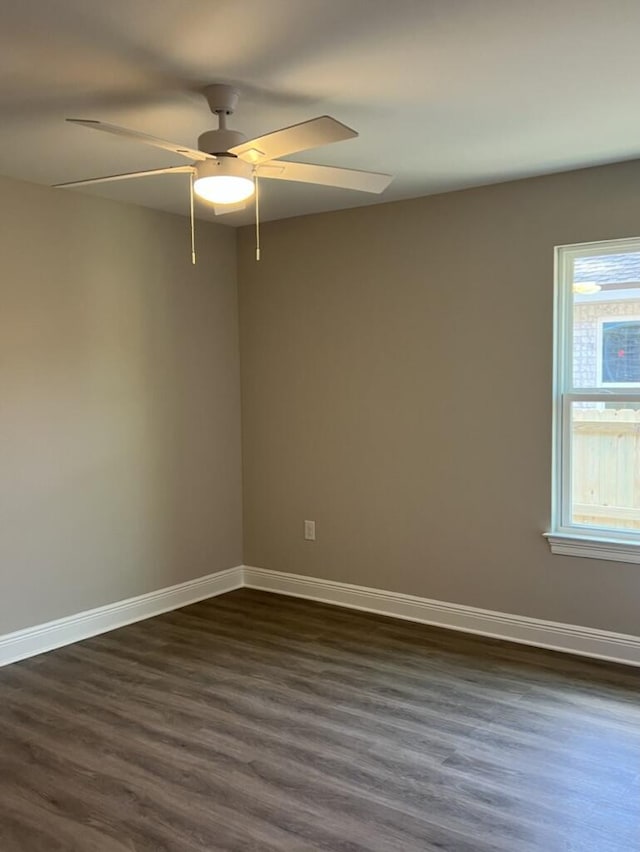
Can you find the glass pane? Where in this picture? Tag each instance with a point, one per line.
(621, 352)
(606, 321)
(605, 464)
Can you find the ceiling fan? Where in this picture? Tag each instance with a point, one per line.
(225, 165)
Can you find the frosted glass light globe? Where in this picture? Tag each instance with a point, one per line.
(225, 180)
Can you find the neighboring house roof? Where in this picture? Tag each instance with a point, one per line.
(608, 268)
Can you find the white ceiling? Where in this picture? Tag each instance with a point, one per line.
(445, 93)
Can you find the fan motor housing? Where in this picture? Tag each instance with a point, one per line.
(228, 166)
(219, 141)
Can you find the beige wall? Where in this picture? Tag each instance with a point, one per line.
(396, 372)
(396, 388)
(119, 403)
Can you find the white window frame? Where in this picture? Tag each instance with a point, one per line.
(565, 536)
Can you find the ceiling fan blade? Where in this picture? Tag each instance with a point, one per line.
(326, 175)
(221, 209)
(135, 136)
(170, 170)
(290, 140)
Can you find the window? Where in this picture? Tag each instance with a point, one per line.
(619, 351)
(596, 509)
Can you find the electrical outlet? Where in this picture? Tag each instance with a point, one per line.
(310, 530)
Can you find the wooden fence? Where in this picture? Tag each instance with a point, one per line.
(606, 467)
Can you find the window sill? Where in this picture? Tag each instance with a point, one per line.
(572, 544)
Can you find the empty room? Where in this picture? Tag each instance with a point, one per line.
(319, 426)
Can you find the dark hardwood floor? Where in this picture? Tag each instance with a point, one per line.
(258, 722)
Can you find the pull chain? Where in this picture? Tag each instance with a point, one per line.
(257, 216)
(193, 224)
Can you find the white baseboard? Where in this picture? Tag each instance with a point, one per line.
(585, 641)
(45, 637)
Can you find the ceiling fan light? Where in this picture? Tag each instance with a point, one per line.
(226, 180)
(223, 189)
